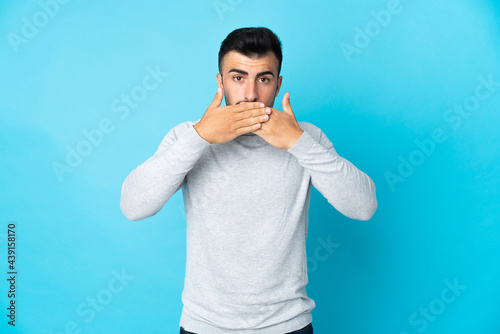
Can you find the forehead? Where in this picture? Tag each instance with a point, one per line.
(236, 60)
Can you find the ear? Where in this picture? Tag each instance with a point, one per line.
(219, 81)
(221, 86)
(278, 86)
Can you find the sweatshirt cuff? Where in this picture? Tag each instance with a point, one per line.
(194, 137)
(302, 145)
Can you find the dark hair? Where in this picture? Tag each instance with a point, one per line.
(253, 43)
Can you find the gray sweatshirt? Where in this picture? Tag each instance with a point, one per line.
(246, 208)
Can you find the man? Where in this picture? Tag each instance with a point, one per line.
(245, 170)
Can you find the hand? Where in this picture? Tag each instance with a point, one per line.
(281, 130)
(222, 124)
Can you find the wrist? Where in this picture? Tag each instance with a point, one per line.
(199, 130)
(295, 139)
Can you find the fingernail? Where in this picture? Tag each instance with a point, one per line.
(268, 110)
(262, 105)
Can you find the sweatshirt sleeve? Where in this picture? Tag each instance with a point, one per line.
(148, 187)
(346, 188)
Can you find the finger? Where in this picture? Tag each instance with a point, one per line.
(255, 112)
(252, 120)
(286, 104)
(252, 114)
(248, 128)
(247, 106)
(217, 99)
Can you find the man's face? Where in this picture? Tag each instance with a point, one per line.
(249, 79)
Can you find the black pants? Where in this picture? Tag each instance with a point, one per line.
(306, 330)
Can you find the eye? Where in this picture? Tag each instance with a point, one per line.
(238, 77)
(264, 79)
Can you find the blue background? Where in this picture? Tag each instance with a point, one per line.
(440, 224)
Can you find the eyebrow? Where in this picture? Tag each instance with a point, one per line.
(246, 73)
